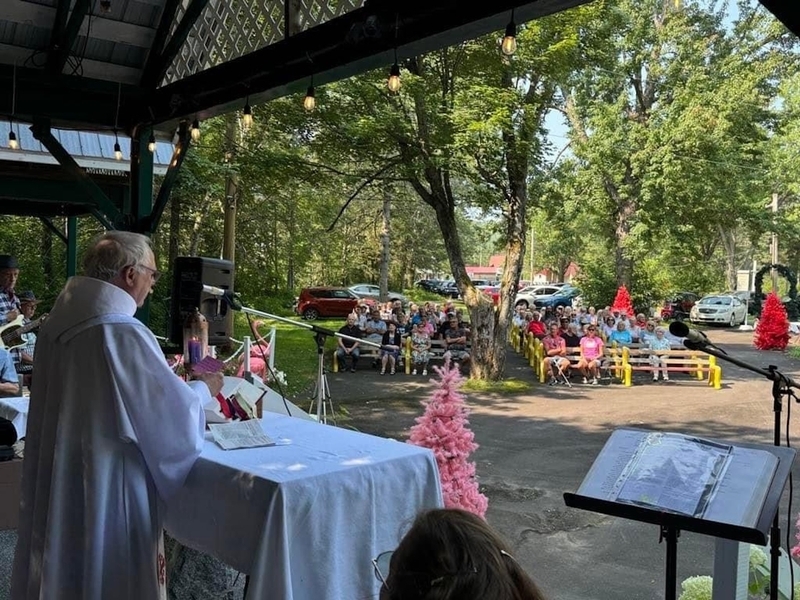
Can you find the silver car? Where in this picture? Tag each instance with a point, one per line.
(367, 290)
(719, 308)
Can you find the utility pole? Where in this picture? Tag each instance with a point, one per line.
(774, 246)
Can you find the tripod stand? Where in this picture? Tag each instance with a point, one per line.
(321, 396)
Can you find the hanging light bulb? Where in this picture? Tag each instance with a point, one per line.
(117, 149)
(12, 140)
(394, 79)
(247, 115)
(509, 44)
(195, 130)
(310, 101)
(151, 143)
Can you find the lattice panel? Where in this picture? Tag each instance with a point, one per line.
(228, 29)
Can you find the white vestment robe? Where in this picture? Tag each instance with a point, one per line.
(112, 433)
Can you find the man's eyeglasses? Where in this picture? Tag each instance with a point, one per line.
(154, 272)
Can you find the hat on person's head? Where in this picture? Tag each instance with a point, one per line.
(27, 297)
(8, 262)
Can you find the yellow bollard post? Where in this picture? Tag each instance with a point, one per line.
(407, 354)
(628, 375)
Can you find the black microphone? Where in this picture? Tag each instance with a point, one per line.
(228, 296)
(693, 336)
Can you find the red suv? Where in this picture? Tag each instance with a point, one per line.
(317, 302)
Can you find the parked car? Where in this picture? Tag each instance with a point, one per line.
(429, 285)
(448, 289)
(527, 296)
(678, 306)
(719, 308)
(316, 302)
(368, 290)
(563, 297)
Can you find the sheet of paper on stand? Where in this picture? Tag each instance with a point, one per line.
(240, 434)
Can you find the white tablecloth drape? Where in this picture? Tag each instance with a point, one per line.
(16, 411)
(304, 518)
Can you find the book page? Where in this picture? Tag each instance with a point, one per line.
(240, 434)
(682, 474)
(673, 472)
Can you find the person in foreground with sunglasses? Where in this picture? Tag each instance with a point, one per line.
(451, 554)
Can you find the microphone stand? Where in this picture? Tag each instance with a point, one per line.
(320, 334)
(781, 386)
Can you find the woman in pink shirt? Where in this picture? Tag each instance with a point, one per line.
(591, 354)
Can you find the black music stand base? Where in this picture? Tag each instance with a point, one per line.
(671, 534)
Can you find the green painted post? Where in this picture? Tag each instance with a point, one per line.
(141, 194)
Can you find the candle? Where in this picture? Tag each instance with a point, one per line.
(195, 352)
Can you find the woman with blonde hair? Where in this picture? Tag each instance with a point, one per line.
(451, 554)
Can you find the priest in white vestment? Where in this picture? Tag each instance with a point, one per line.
(112, 434)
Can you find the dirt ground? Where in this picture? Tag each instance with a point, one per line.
(535, 447)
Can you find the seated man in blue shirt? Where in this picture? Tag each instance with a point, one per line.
(9, 381)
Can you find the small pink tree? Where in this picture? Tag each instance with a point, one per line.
(444, 428)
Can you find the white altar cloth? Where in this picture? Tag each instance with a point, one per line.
(16, 411)
(304, 518)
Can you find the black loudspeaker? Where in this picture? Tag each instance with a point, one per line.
(190, 273)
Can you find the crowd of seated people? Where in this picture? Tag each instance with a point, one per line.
(590, 331)
(389, 325)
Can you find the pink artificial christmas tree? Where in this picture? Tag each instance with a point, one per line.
(444, 428)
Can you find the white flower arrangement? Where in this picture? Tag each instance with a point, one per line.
(700, 587)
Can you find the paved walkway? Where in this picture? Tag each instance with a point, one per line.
(537, 446)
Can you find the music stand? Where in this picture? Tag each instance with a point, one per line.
(321, 396)
(683, 483)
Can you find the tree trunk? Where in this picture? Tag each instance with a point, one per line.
(728, 239)
(385, 242)
(175, 219)
(231, 185)
(47, 253)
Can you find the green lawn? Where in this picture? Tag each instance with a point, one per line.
(295, 350)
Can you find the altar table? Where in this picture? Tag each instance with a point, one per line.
(304, 518)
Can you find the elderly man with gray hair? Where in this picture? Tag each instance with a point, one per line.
(112, 434)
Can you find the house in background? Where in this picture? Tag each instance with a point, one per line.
(494, 271)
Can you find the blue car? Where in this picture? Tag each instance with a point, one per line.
(562, 297)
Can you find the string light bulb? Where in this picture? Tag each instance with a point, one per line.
(310, 101)
(117, 149)
(12, 140)
(509, 44)
(195, 130)
(247, 115)
(151, 143)
(393, 82)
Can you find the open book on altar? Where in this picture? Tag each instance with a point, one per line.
(649, 475)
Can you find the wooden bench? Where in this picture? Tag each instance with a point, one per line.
(612, 361)
(693, 362)
(369, 353)
(437, 352)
